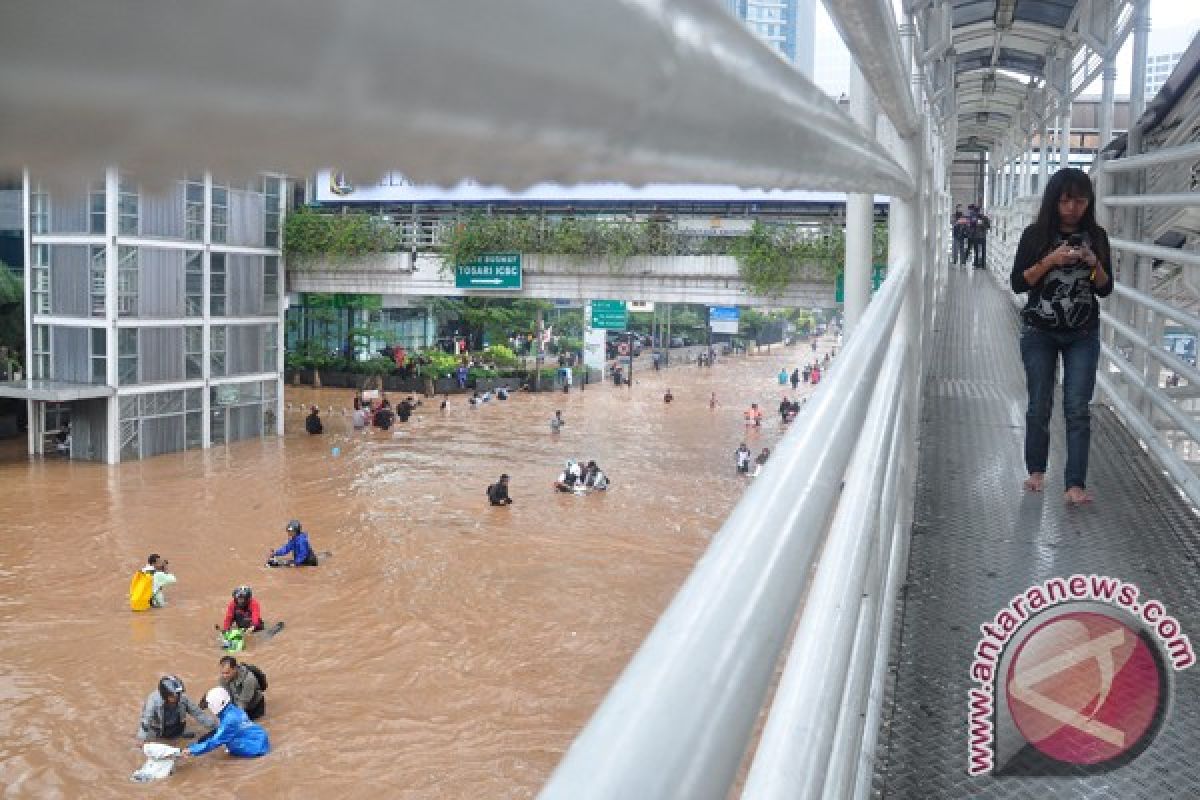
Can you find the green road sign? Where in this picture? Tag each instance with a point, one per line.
(609, 314)
(878, 273)
(490, 271)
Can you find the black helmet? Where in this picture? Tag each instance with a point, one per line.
(169, 685)
(293, 526)
(243, 591)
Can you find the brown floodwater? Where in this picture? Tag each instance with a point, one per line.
(447, 649)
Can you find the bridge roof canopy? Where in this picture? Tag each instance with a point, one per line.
(1003, 50)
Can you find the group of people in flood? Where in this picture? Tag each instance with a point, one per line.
(228, 709)
(580, 478)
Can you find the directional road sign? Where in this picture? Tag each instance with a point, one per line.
(490, 271)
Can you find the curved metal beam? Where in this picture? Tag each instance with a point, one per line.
(868, 28)
(508, 93)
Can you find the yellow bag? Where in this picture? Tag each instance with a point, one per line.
(141, 588)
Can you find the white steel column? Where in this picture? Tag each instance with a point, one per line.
(281, 308)
(206, 320)
(1137, 85)
(27, 303)
(1106, 98)
(112, 195)
(860, 214)
(1064, 121)
(1044, 145)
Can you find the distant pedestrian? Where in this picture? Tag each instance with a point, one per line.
(556, 422)
(312, 423)
(712, 401)
(783, 376)
(742, 459)
(668, 397)
(795, 378)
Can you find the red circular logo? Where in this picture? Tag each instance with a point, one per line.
(1084, 688)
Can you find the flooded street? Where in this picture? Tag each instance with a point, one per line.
(447, 649)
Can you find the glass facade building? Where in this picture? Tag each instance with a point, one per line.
(789, 26)
(171, 297)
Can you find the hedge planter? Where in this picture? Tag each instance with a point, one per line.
(491, 384)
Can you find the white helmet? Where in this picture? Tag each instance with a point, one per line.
(216, 699)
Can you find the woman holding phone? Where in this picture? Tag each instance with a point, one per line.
(1063, 262)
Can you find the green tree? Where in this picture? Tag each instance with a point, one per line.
(12, 311)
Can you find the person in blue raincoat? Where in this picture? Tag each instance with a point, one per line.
(240, 736)
(297, 545)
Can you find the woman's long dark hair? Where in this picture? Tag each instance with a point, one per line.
(1075, 183)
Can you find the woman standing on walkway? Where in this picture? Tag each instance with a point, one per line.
(1063, 262)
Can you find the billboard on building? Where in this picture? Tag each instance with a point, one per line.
(723, 319)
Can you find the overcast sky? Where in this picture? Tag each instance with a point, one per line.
(1173, 23)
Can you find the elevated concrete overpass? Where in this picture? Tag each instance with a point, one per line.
(709, 279)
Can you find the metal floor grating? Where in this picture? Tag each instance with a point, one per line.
(978, 540)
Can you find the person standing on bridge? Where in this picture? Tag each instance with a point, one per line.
(1062, 263)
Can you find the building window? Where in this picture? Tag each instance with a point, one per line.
(96, 281)
(193, 284)
(194, 210)
(270, 347)
(271, 204)
(217, 351)
(97, 209)
(193, 423)
(193, 346)
(41, 352)
(216, 285)
(127, 356)
(39, 279)
(127, 210)
(220, 213)
(39, 211)
(99, 356)
(270, 285)
(127, 281)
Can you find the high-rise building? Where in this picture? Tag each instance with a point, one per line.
(153, 318)
(789, 26)
(1158, 69)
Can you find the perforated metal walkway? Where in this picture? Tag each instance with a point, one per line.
(978, 540)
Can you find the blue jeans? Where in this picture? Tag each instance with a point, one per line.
(1080, 353)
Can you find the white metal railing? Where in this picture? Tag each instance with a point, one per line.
(680, 717)
(834, 503)
(1156, 392)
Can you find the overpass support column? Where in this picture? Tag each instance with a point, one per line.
(1044, 149)
(860, 216)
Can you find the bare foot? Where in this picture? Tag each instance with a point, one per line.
(1035, 482)
(1077, 496)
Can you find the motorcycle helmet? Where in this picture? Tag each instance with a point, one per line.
(293, 526)
(169, 685)
(243, 591)
(216, 699)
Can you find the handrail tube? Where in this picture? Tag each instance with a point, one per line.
(1168, 155)
(1164, 357)
(694, 97)
(1186, 423)
(677, 720)
(1167, 458)
(800, 730)
(1168, 254)
(898, 566)
(1154, 304)
(868, 28)
(851, 734)
(1188, 199)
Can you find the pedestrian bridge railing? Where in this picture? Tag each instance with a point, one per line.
(819, 541)
(1156, 391)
